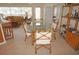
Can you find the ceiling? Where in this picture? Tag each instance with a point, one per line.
(27, 4)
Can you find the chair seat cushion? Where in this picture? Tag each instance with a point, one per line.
(38, 24)
(28, 34)
(43, 41)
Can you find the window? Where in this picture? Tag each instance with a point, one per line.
(55, 11)
(37, 13)
(16, 11)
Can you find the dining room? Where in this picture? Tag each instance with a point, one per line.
(35, 29)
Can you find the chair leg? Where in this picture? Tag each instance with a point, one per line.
(35, 50)
(54, 36)
(50, 49)
(12, 33)
(32, 43)
(25, 37)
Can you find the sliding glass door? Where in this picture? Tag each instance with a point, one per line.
(38, 21)
(48, 17)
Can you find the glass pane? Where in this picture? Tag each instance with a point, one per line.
(16, 11)
(37, 13)
(55, 11)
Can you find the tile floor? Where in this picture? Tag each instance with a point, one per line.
(18, 46)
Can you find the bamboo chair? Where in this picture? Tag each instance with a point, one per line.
(25, 30)
(33, 37)
(54, 28)
(42, 39)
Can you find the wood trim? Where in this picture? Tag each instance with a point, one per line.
(69, 15)
(61, 18)
(76, 24)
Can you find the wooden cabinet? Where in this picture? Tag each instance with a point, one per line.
(73, 40)
(1, 37)
(72, 35)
